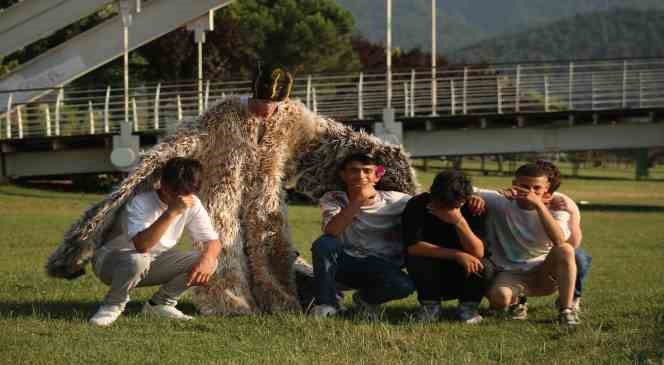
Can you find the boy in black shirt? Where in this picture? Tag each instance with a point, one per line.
(445, 256)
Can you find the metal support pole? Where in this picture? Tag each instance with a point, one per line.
(592, 91)
(179, 107)
(465, 90)
(107, 102)
(156, 107)
(624, 85)
(19, 120)
(8, 127)
(640, 89)
(125, 12)
(134, 114)
(546, 93)
(406, 102)
(388, 53)
(499, 96)
(452, 97)
(517, 93)
(412, 93)
(434, 75)
(309, 91)
(207, 94)
(58, 110)
(570, 91)
(360, 97)
(91, 117)
(47, 117)
(199, 26)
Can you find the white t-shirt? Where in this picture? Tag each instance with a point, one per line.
(515, 236)
(144, 209)
(376, 229)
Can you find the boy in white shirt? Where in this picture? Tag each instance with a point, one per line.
(140, 252)
(361, 242)
(530, 244)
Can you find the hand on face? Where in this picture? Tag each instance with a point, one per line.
(527, 195)
(179, 203)
(445, 214)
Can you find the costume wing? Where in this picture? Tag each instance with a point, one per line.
(317, 170)
(88, 232)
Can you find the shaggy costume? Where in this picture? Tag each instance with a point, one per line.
(248, 163)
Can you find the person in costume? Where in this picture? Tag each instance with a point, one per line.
(251, 150)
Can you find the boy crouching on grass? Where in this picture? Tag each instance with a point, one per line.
(360, 246)
(530, 245)
(141, 251)
(446, 256)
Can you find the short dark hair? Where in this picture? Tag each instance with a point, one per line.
(553, 172)
(182, 175)
(451, 187)
(362, 157)
(530, 170)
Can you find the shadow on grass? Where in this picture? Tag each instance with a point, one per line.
(69, 310)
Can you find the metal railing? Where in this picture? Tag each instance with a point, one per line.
(469, 90)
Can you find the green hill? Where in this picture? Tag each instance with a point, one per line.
(462, 23)
(618, 33)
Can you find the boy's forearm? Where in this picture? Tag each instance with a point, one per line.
(212, 249)
(339, 222)
(426, 249)
(551, 227)
(149, 237)
(469, 241)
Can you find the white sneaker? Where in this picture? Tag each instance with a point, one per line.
(369, 311)
(568, 317)
(106, 315)
(166, 311)
(429, 312)
(324, 310)
(467, 312)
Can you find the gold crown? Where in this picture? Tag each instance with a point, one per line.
(275, 86)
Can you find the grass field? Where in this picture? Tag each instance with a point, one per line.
(43, 320)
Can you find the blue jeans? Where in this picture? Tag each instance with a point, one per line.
(583, 263)
(377, 280)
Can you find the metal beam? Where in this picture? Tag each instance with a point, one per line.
(23, 164)
(30, 21)
(520, 140)
(98, 46)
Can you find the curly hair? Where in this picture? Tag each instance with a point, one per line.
(552, 172)
(451, 187)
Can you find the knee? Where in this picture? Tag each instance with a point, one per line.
(137, 263)
(325, 246)
(564, 253)
(500, 297)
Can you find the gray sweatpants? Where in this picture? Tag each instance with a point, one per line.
(126, 270)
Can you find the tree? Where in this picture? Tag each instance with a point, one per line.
(305, 36)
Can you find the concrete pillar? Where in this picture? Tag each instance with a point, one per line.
(642, 168)
(390, 130)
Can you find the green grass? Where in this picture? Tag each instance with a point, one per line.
(43, 320)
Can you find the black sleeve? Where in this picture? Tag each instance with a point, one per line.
(411, 221)
(476, 222)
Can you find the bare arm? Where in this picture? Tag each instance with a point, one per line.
(149, 237)
(551, 226)
(202, 271)
(469, 241)
(338, 223)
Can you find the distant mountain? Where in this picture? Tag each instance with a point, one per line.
(462, 23)
(618, 33)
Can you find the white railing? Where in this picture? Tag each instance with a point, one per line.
(469, 90)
